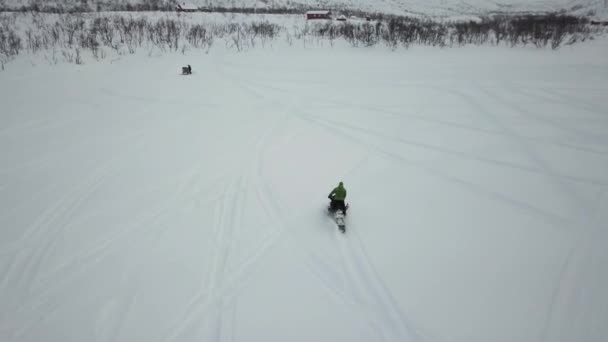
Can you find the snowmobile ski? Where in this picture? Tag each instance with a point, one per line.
(339, 218)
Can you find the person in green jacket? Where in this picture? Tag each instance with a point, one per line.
(337, 197)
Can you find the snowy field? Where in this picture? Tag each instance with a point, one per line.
(140, 205)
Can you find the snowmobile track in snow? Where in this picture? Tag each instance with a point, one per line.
(368, 287)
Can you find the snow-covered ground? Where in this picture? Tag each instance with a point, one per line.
(140, 205)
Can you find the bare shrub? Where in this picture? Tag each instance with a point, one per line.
(77, 56)
(73, 34)
(68, 56)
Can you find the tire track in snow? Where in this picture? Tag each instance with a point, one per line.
(370, 288)
(555, 220)
(552, 97)
(273, 210)
(315, 265)
(454, 152)
(264, 195)
(52, 224)
(227, 221)
(268, 203)
(69, 202)
(389, 312)
(36, 257)
(557, 177)
(572, 131)
(465, 127)
(221, 290)
(46, 297)
(112, 317)
(572, 296)
(227, 238)
(64, 201)
(95, 252)
(574, 269)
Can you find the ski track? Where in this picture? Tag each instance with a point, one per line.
(407, 115)
(552, 98)
(365, 276)
(221, 291)
(534, 156)
(35, 228)
(55, 280)
(574, 132)
(568, 291)
(112, 316)
(207, 292)
(524, 147)
(457, 153)
(226, 310)
(547, 171)
(397, 330)
(567, 284)
(507, 133)
(60, 212)
(390, 320)
(554, 219)
(360, 267)
(371, 289)
(363, 290)
(30, 272)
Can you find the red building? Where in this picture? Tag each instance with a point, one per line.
(318, 15)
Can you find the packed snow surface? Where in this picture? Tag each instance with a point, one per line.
(137, 204)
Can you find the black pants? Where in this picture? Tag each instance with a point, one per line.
(337, 204)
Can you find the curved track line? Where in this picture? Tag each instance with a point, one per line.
(555, 220)
(524, 168)
(531, 152)
(371, 289)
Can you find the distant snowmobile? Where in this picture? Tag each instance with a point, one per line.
(187, 70)
(337, 206)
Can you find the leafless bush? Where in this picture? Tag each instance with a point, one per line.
(10, 42)
(77, 56)
(546, 30)
(68, 56)
(289, 39)
(52, 59)
(33, 41)
(73, 34)
(71, 24)
(237, 39)
(199, 36)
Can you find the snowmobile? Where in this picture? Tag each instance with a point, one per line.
(338, 213)
(187, 70)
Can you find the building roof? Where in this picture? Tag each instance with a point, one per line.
(318, 12)
(187, 6)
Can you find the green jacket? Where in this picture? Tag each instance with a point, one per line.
(339, 193)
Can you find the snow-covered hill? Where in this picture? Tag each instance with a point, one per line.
(441, 8)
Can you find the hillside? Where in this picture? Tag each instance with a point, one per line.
(441, 8)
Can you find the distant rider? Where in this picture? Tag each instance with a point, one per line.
(337, 197)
